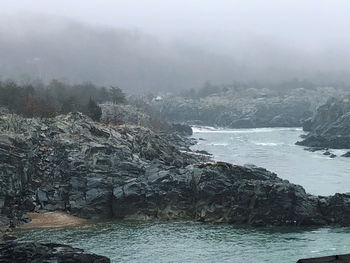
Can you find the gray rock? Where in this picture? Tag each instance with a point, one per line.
(146, 176)
(23, 252)
(330, 127)
(347, 154)
(42, 196)
(237, 107)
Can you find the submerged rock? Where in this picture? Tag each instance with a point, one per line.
(315, 149)
(23, 252)
(347, 154)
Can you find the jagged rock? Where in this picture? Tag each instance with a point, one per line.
(76, 165)
(330, 127)
(23, 252)
(94, 170)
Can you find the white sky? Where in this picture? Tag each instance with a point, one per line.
(307, 24)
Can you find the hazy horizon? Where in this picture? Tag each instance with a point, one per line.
(167, 45)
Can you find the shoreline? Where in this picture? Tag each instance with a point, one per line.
(52, 220)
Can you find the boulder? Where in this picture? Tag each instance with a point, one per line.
(23, 252)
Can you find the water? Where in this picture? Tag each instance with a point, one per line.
(157, 241)
(128, 241)
(275, 150)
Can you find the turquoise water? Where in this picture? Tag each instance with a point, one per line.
(126, 241)
(157, 241)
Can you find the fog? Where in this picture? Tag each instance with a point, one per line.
(174, 45)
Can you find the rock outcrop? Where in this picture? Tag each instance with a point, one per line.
(245, 108)
(92, 170)
(24, 252)
(330, 127)
(70, 163)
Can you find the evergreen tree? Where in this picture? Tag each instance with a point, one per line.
(93, 110)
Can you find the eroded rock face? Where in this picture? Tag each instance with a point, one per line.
(330, 127)
(70, 163)
(24, 252)
(217, 193)
(92, 170)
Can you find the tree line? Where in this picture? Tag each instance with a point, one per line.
(57, 97)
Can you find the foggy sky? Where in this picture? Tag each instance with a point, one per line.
(174, 44)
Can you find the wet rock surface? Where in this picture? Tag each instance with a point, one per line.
(347, 154)
(330, 126)
(23, 252)
(93, 170)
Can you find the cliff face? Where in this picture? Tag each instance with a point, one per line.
(330, 127)
(71, 163)
(93, 170)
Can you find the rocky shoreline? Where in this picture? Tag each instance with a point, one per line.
(72, 164)
(93, 170)
(330, 126)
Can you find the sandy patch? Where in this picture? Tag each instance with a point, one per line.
(52, 219)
